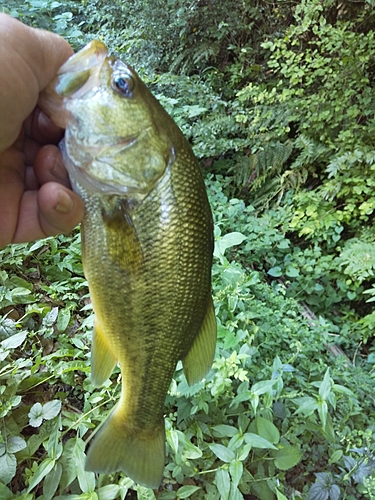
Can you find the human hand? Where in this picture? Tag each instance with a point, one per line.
(35, 199)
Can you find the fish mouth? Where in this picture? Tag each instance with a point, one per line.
(81, 71)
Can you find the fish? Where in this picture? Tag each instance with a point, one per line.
(147, 246)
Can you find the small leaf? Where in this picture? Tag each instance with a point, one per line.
(36, 415)
(44, 468)
(63, 320)
(227, 241)
(51, 409)
(323, 412)
(222, 481)
(51, 482)
(267, 429)
(69, 470)
(318, 492)
(86, 479)
(276, 272)
(287, 457)
(222, 452)
(244, 452)
(8, 467)
(187, 491)
(14, 341)
(50, 318)
(257, 441)
(262, 387)
(236, 470)
(15, 443)
(307, 406)
(224, 430)
(280, 495)
(325, 386)
(335, 457)
(172, 440)
(109, 492)
(292, 272)
(144, 493)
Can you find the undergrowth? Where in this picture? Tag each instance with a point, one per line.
(277, 101)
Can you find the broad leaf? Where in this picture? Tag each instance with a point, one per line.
(287, 457)
(222, 452)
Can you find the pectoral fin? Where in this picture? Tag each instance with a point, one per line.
(198, 360)
(103, 360)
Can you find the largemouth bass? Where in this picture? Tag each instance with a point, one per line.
(147, 243)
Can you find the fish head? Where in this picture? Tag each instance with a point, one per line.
(118, 137)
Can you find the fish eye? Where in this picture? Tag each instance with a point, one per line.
(123, 85)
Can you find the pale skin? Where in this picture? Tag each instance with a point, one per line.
(35, 196)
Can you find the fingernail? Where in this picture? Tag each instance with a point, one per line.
(64, 203)
(58, 169)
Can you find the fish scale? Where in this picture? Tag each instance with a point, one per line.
(147, 243)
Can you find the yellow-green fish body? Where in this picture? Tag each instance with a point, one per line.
(147, 242)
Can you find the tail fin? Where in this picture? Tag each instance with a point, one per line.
(141, 457)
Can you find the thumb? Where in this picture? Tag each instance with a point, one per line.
(29, 59)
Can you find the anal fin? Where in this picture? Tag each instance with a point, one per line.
(103, 361)
(198, 360)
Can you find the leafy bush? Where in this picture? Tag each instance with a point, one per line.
(257, 424)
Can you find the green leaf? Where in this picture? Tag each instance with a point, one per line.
(172, 440)
(5, 493)
(85, 478)
(307, 407)
(51, 482)
(51, 409)
(187, 491)
(50, 318)
(276, 272)
(224, 430)
(43, 469)
(323, 412)
(318, 491)
(20, 292)
(292, 272)
(8, 467)
(222, 452)
(287, 457)
(15, 443)
(280, 496)
(267, 429)
(36, 415)
(222, 481)
(257, 441)
(67, 460)
(189, 450)
(236, 470)
(14, 341)
(145, 493)
(325, 386)
(262, 387)
(336, 457)
(63, 320)
(244, 452)
(108, 492)
(227, 241)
